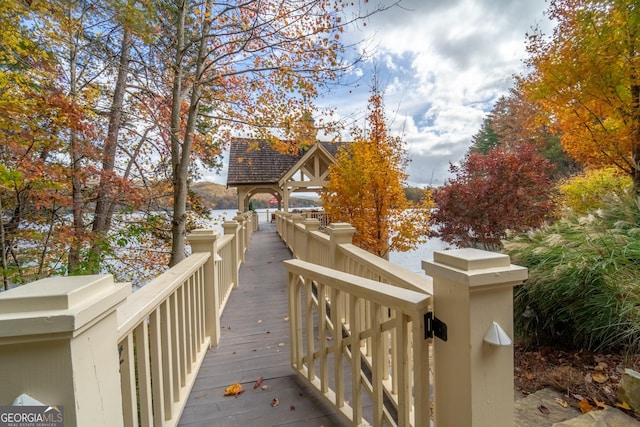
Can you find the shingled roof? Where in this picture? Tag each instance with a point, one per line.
(253, 161)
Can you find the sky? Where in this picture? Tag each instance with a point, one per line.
(442, 65)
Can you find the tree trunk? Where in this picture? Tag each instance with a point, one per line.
(73, 261)
(181, 152)
(105, 199)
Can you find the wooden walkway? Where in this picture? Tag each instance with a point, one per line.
(255, 343)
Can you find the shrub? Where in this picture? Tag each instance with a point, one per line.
(589, 191)
(583, 289)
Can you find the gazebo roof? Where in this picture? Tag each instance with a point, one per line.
(253, 161)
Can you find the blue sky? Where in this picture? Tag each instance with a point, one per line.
(443, 64)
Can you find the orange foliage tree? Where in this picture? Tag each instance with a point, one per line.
(586, 79)
(366, 189)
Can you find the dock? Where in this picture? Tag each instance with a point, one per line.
(254, 350)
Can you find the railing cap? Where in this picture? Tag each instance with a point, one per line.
(59, 304)
(468, 259)
(202, 234)
(475, 268)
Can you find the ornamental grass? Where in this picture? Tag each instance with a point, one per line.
(583, 289)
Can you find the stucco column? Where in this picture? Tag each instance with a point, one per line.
(473, 374)
(59, 344)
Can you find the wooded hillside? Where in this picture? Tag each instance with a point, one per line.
(217, 196)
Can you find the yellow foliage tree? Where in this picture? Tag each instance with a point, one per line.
(585, 193)
(366, 189)
(586, 78)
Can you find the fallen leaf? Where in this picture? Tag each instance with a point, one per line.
(266, 387)
(624, 405)
(233, 390)
(292, 408)
(585, 406)
(577, 396)
(528, 376)
(599, 377)
(275, 402)
(543, 409)
(599, 403)
(258, 382)
(286, 319)
(601, 366)
(562, 402)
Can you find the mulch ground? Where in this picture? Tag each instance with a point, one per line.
(581, 376)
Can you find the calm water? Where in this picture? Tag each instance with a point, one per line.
(411, 260)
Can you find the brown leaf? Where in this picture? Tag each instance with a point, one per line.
(562, 402)
(292, 408)
(275, 402)
(528, 376)
(233, 390)
(599, 403)
(624, 405)
(258, 382)
(543, 409)
(585, 406)
(599, 377)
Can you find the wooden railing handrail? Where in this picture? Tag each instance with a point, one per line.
(145, 300)
(388, 271)
(388, 295)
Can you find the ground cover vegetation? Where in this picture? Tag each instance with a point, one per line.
(109, 110)
(560, 158)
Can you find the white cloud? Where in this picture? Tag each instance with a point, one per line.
(443, 65)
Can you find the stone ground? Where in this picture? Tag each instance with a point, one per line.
(544, 408)
(558, 383)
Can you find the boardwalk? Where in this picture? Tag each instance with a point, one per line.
(255, 343)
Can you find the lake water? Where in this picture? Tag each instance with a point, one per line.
(411, 260)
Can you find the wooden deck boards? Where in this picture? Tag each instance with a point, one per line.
(255, 343)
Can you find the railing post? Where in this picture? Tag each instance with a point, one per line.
(473, 296)
(59, 344)
(310, 225)
(297, 236)
(240, 236)
(231, 228)
(286, 229)
(206, 241)
(339, 233)
(256, 221)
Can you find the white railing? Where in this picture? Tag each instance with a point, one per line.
(120, 359)
(375, 315)
(349, 333)
(162, 342)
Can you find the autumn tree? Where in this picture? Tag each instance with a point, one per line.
(515, 120)
(32, 109)
(491, 194)
(251, 66)
(366, 188)
(586, 80)
(79, 143)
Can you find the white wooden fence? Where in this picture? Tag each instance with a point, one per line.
(114, 358)
(359, 326)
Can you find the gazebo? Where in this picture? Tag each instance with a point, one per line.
(256, 168)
